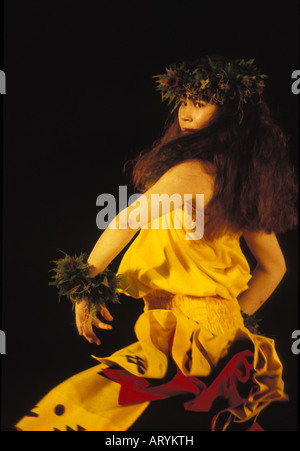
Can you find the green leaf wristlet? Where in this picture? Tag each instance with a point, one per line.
(252, 323)
(72, 279)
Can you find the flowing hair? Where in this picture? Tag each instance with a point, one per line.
(256, 187)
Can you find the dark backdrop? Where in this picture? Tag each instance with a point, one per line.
(80, 101)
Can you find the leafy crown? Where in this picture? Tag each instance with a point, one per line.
(216, 83)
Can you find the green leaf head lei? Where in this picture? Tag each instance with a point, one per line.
(212, 82)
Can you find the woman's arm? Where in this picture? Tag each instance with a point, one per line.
(188, 177)
(268, 273)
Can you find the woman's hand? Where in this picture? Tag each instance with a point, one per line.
(85, 324)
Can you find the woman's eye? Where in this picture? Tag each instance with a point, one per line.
(182, 103)
(199, 105)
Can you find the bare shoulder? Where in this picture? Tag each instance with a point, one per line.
(190, 176)
(194, 171)
(195, 167)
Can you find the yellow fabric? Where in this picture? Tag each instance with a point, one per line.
(189, 289)
(162, 258)
(203, 330)
(213, 313)
(85, 402)
(155, 327)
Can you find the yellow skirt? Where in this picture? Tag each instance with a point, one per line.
(185, 346)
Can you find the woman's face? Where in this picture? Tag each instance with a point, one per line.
(195, 114)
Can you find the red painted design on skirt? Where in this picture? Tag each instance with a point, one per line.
(231, 381)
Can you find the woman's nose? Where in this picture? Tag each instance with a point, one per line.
(187, 114)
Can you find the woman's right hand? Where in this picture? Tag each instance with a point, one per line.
(85, 323)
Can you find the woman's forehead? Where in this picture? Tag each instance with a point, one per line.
(194, 99)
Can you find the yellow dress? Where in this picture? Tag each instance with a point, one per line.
(191, 339)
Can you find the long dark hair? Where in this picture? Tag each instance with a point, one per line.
(255, 184)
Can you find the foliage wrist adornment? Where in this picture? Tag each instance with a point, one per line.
(72, 279)
(251, 322)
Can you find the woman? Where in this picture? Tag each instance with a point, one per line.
(221, 143)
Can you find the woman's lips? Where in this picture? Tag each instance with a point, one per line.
(188, 130)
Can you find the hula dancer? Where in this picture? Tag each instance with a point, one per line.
(192, 339)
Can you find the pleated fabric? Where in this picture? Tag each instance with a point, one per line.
(185, 345)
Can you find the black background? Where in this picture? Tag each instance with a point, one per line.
(80, 101)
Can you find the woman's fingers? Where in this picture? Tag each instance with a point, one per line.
(80, 316)
(105, 313)
(89, 334)
(85, 323)
(101, 325)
